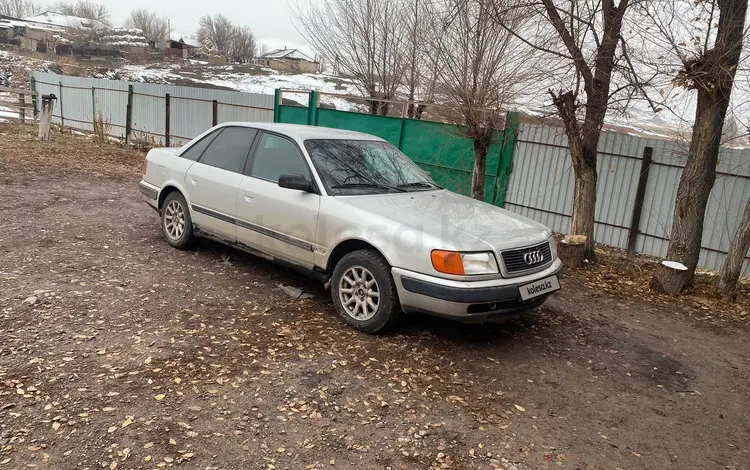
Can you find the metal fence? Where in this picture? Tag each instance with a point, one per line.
(164, 114)
(541, 187)
(540, 184)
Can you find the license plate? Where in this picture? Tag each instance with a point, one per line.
(540, 287)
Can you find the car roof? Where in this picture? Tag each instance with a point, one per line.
(302, 132)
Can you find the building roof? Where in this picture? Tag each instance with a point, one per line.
(8, 22)
(65, 21)
(287, 54)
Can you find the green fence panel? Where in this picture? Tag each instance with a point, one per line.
(443, 150)
(385, 127)
(292, 114)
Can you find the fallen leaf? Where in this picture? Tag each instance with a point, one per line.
(56, 425)
(112, 429)
(189, 455)
(172, 441)
(177, 380)
(159, 396)
(5, 461)
(147, 458)
(148, 445)
(520, 408)
(127, 422)
(281, 450)
(108, 409)
(168, 459)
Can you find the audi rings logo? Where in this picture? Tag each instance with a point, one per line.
(533, 257)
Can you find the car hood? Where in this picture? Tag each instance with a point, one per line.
(459, 222)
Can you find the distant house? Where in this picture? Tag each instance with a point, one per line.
(288, 59)
(181, 47)
(26, 34)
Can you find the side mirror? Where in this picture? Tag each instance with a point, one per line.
(298, 182)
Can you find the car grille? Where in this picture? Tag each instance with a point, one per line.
(515, 261)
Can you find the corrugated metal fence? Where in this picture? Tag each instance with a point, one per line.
(80, 101)
(541, 187)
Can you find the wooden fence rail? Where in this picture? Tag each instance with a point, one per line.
(15, 99)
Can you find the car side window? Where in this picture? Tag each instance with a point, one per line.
(196, 150)
(229, 149)
(276, 156)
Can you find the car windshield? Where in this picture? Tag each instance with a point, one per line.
(365, 167)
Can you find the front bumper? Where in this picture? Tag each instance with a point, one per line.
(467, 301)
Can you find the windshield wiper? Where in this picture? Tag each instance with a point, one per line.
(368, 185)
(419, 184)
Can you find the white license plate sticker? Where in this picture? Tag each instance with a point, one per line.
(540, 287)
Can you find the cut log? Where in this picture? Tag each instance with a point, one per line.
(572, 251)
(673, 283)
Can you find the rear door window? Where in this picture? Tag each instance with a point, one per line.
(229, 150)
(196, 150)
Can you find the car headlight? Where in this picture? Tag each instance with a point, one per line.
(553, 246)
(455, 262)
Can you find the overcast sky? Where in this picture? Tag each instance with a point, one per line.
(270, 20)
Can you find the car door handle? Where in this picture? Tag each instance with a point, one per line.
(249, 197)
(193, 181)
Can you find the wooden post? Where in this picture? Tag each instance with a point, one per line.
(572, 250)
(129, 115)
(34, 101)
(215, 116)
(22, 102)
(45, 122)
(166, 123)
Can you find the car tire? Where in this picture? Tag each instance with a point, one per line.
(176, 223)
(364, 292)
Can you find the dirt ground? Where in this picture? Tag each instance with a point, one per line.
(117, 351)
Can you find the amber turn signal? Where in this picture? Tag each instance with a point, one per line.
(448, 262)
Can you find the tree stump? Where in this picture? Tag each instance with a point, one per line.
(45, 120)
(572, 250)
(674, 281)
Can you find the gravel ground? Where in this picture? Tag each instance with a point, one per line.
(117, 351)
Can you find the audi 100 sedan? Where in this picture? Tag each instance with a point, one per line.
(353, 211)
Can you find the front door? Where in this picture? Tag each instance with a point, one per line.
(212, 182)
(281, 222)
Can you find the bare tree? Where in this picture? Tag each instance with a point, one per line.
(481, 66)
(216, 31)
(728, 283)
(365, 39)
(18, 8)
(84, 9)
(709, 68)
(585, 38)
(155, 28)
(242, 46)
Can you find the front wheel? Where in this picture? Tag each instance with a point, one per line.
(176, 223)
(364, 293)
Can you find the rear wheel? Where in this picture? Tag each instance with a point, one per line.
(364, 293)
(176, 223)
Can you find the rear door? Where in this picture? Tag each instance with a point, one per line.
(212, 181)
(279, 221)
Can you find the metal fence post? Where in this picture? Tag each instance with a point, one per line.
(129, 115)
(166, 122)
(276, 104)
(640, 194)
(215, 112)
(312, 109)
(93, 108)
(60, 99)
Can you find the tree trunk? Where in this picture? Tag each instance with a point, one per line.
(714, 85)
(728, 283)
(584, 205)
(481, 142)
